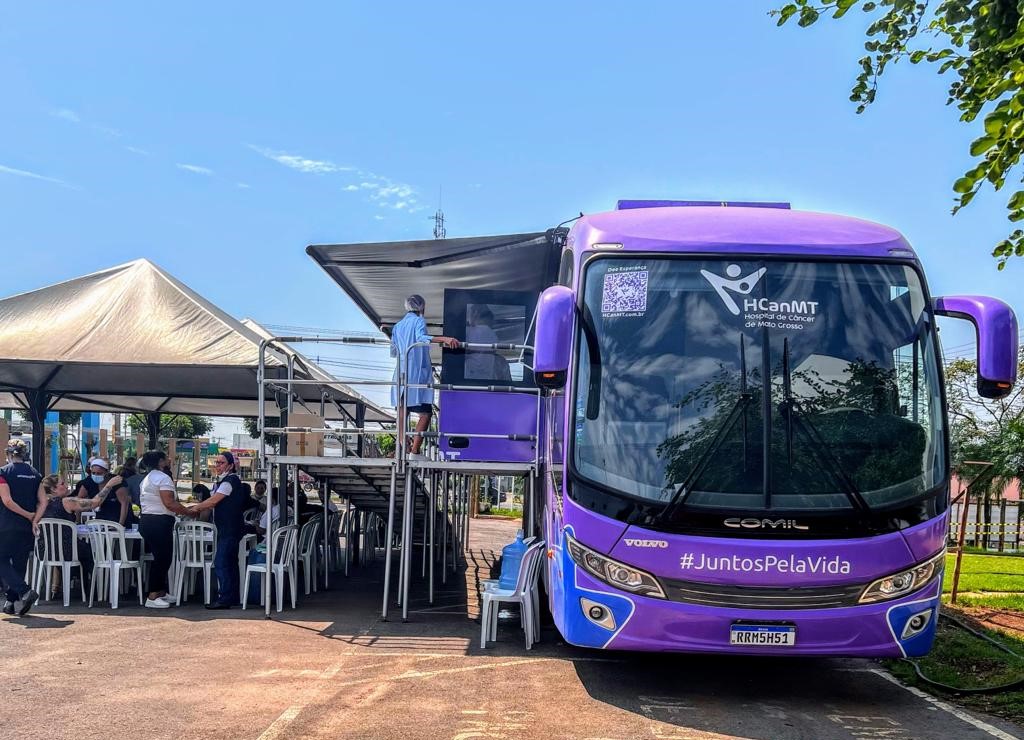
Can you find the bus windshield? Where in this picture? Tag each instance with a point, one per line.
(758, 385)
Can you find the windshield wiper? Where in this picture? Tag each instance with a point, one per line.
(819, 449)
(738, 411)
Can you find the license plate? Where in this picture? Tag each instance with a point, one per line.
(767, 635)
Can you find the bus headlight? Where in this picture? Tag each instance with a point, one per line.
(612, 572)
(904, 582)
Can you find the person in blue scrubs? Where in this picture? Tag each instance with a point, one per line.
(21, 499)
(407, 332)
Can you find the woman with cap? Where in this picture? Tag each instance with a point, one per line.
(228, 503)
(116, 508)
(407, 332)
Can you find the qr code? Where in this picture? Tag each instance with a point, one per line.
(624, 292)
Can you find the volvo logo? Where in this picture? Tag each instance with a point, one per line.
(751, 523)
(646, 543)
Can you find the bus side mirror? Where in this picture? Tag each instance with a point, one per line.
(996, 328)
(553, 345)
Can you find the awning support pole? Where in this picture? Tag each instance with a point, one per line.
(407, 541)
(387, 545)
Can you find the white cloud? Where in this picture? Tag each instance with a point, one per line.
(36, 176)
(194, 168)
(136, 150)
(382, 190)
(107, 131)
(243, 185)
(378, 218)
(300, 163)
(66, 114)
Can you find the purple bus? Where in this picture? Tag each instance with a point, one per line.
(745, 444)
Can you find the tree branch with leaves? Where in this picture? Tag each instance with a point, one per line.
(981, 42)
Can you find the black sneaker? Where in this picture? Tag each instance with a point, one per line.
(9, 608)
(27, 601)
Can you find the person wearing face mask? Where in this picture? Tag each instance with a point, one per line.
(116, 508)
(159, 502)
(228, 503)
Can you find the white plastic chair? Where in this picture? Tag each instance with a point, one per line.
(523, 594)
(251, 516)
(245, 546)
(281, 559)
(53, 534)
(335, 529)
(197, 546)
(109, 550)
(309, 551)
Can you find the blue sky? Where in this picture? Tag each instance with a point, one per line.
(220, 139)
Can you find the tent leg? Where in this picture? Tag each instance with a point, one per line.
(38, 402)
(432, 507)
(407, 542)
(387, 546)
(153, 430)
(456, 520)
(444, 528)
(270, 555)
(426, 513)
(348, 532)
(469, 500)
(325, 499)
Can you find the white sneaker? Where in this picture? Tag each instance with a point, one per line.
(170, 600)
(157, 603)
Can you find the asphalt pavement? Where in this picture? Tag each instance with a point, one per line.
(332, 669)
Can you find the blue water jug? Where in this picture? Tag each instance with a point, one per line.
(511, 557)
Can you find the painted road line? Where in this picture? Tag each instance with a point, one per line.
(958, 713)
(279, 725)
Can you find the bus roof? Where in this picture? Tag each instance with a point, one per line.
(713, 229)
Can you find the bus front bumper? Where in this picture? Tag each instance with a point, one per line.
(596, 615)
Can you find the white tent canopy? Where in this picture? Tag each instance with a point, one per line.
(132, 338)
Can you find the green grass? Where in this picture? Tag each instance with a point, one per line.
(962, 660)
(986, 573)
(982, 551)
(1004, 602)
(510, 513)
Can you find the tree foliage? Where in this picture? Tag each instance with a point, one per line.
(174, 425)
(981, 42)
(984, 429)
(253, 430)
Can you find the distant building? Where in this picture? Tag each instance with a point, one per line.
(244, 442)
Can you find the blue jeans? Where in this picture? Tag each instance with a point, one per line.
(15, 549)
(225, 564)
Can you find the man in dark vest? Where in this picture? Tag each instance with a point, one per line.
(228, 503)
(20, 497)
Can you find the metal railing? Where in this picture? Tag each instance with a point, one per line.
(451, 487)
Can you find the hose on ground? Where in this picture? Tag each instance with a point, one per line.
(1011, 686)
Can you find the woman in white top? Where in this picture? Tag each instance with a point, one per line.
(159, 503)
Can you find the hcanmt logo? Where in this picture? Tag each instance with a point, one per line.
(734, 283)
(646, 543)
(738, 523)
